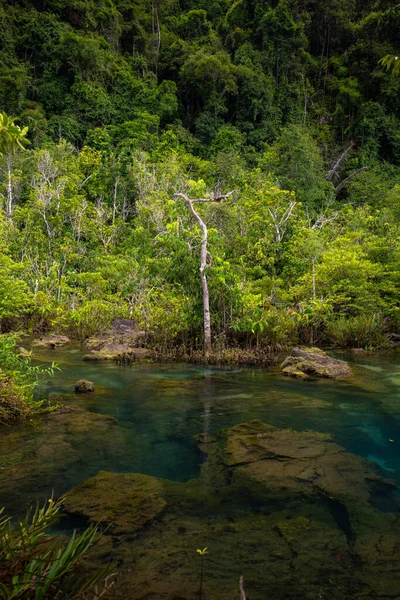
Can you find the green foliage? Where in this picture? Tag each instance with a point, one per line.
(11, 135)
(391, 63)
(18, 380)
(361, 331)
(292, 105)
(35, 566)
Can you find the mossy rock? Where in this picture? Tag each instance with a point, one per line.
(314, 363)
(118, 353)
(83, 386)
(126, 502)
(53, 341)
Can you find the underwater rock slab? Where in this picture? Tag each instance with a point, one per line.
(290, 463)
(314, 363)
(48, 461)
(291, 511)
(126, 502)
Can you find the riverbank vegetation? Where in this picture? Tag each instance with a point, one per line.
(18, 380)
(34, 564)
(130, 103)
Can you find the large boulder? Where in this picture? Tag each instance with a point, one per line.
(52, 341)
(83, 386)
(314, 363)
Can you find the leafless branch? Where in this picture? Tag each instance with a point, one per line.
(333, 172)
(214, 197)
(324, 219)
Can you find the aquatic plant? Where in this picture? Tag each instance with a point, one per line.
(34, 565)
(202, 554)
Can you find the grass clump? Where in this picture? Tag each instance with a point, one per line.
(36, 566)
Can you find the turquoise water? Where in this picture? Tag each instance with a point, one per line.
(311, 545)
(168, 404)
(160, 407)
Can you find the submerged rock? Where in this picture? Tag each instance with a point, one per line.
(287, 464)
(126, 502)
(83, 386)
(291, 510)
(314, 363)
(49, 460)
(53, 341)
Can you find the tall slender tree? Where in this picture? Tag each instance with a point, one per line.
(204, 260)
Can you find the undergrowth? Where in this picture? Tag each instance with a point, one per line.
(36, 566)
(18, 380)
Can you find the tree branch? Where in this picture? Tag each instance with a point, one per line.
(345, 181)
(333, 172)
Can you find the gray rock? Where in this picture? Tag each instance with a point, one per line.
(52, 341)
(83, 386)
(314, 363)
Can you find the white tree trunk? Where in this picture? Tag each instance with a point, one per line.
(9, 207)
(203, 277)
(203, 262)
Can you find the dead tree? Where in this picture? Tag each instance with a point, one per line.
(204, 260)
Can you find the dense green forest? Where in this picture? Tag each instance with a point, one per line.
(129, 102)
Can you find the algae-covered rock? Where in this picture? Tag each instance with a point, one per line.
(53, 341)
(84, 386)
(127, 502)
(314, 363)
(118, 352)
(286, 463)
(49, 460)
(120, 343)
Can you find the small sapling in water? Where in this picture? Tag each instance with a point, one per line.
(202, 554)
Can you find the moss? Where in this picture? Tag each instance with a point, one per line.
(126, 502)
(293, 528)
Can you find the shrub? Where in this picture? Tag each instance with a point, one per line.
(362, 331)
(90, 318)
(18, 379)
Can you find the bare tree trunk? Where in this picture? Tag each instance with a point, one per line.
(241, 588)
(314, 290)
(204, 283)
(9, 207)
(203, 263)
(115, 199)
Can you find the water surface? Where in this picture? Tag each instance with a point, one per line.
(160, 407)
